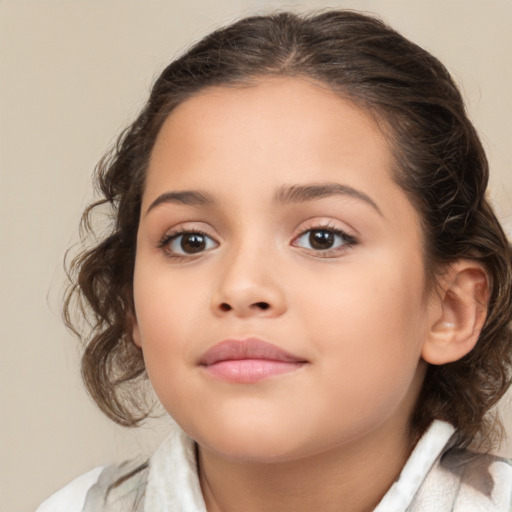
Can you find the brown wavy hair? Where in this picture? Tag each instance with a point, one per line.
(439, 161)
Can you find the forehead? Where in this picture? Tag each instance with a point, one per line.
(276, 127)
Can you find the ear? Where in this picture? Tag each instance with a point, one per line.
(458, 313)
(134, 327)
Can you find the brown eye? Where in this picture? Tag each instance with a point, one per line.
(188, 243)
(192, 243)
(321, 239)
(326, 242)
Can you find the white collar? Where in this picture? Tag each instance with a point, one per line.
(423, 457)
(173, 483)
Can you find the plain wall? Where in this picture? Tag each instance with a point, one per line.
(72, 74)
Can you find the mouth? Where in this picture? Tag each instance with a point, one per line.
(248, 361)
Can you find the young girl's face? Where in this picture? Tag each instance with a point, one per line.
(272, 233)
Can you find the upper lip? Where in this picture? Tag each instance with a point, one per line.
(249, 348)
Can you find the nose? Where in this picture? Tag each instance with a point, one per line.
(249, 286)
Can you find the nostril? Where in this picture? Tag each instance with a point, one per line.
(260, 305)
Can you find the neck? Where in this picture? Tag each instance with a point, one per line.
(354, 477)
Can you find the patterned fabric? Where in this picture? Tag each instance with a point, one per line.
(118, 489)
(436, 478)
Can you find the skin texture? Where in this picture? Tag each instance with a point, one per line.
(357, 313)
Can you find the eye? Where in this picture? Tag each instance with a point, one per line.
(185, 243)
(324, 240)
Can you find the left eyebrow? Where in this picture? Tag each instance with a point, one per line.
(302, 193)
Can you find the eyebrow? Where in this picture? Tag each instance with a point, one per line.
(302, 193)
(287, 194)
(188, 197)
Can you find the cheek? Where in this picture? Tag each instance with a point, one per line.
(162, 324)
(173, 318)
(164, 317)
(370, 353)
(371, 323)
(165, 302)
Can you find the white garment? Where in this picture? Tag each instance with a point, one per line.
(71, 498)
(434, 479)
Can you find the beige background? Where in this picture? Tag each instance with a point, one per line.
(72, 74)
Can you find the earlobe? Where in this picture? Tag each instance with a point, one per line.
(458, 314)
(135, 331)
(136, 335)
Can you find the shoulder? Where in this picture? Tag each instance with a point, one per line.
(442, 477)
(483, 478)
(473, 482)
(71, 498)
(114, 488)
(119, 488)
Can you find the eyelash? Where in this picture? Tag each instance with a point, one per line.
(349, 242)
(170, 237)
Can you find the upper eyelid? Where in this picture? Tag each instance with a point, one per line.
(327, 224)
(350, 239)
(317, 222)
(182, 227)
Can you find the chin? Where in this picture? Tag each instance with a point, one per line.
(257, 452)
(256, 444)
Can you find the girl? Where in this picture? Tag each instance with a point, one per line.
(303, 262)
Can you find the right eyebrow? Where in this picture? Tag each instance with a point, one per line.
(188, 197)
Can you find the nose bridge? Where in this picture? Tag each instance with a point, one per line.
(248, 281)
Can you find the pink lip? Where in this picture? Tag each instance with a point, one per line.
(248, 361)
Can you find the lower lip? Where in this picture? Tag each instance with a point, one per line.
(251, 370)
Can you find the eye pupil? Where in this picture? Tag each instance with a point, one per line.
(321, 239)
(193, 243)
